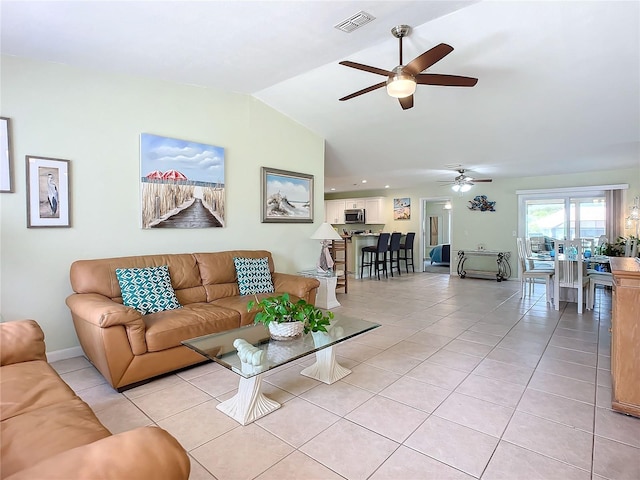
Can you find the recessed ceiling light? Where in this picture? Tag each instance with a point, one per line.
(333, 189)
(386, 186)
(364, 181)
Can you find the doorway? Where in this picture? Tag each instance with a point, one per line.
(436, 234)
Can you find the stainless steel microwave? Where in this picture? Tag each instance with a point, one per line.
(354, 215)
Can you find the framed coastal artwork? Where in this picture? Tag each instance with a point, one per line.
(287, 197)
(181, 183)
(48, 199)
(6, 173)
(401, 208)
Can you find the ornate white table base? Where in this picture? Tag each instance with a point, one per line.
(326, 296)
(326, 369)
(249, 404)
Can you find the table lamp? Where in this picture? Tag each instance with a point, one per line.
(325, 233)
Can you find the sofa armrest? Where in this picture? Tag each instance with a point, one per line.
(303, 287)
(146, 452)
(100, 310)
(103, 312)
(21, 341)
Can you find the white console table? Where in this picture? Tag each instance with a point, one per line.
(501, 272)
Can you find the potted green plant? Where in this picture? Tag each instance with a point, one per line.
(287, 319)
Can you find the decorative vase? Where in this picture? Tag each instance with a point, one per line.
(286, 330)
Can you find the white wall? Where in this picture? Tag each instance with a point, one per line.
(95, 120)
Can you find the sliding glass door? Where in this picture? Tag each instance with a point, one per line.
(564, 217)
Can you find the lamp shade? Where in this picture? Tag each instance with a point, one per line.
(325, 232)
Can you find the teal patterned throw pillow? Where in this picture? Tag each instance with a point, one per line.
(148, 290)
(253, 275)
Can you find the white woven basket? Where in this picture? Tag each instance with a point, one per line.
(286, 330)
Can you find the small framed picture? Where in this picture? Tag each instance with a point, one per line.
(6, 174)
(48, 199)
(287, 197)
(402, 208)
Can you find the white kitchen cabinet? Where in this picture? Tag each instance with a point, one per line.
(374, 210)
(334, 211)
(354, 203)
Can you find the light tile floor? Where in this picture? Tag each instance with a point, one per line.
(464, 379)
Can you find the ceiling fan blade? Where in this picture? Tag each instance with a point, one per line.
(445, 80)
(406, 102)
(363, 91)
(476, 180)
(428, 58)
(366, 68)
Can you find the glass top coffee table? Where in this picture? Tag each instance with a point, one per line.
(250, 352)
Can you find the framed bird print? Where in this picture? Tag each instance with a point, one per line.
(48, 199)
(6, 178)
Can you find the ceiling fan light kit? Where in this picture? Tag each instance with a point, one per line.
(461, 187)
(463, 182)
(402, 80)
(401, 84)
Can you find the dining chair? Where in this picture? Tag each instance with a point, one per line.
(588, 244)
(570, 271)
(630, 248)
(377, 259)
(394, 252)
(597, 278)
(528, 274)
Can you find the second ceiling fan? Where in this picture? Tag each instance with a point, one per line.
(401, 81)
(463, 182)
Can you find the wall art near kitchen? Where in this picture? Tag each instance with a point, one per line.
(48, 199)
(287, 197)
(182, 183)
(401, 208)
(481, 203)
(6, 178)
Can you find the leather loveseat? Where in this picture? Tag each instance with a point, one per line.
(47, 432)
(128, 347)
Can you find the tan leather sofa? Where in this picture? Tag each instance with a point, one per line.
(127, 347)
(47, 432)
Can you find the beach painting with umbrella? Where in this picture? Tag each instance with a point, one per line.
(182, 183)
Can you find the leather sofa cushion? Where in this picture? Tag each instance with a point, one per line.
(39, 434)
(99, 276)
(239, 304)
(167, 329)
(28, 386)
(218, 267)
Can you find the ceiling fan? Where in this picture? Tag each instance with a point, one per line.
(401, 81)
(463, 182)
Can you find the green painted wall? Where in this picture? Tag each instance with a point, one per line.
(95, 120)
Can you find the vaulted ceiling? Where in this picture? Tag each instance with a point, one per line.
(558, 89)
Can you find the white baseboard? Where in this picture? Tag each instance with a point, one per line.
(64, 354)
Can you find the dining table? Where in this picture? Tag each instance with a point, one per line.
(591, 264)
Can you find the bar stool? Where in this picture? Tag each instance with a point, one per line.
(394, 248)
(406, 252)
(377, 256)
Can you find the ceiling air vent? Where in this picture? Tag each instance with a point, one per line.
(355, 21)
